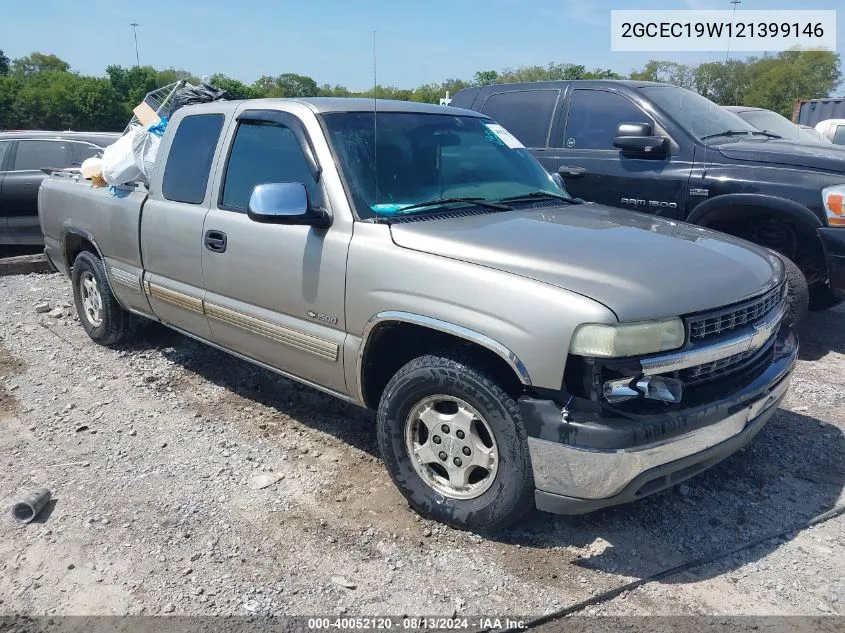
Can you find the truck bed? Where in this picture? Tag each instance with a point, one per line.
(65, 199)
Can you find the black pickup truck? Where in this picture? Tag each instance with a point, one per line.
(662, 149)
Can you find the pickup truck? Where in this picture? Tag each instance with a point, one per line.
(666, 150)
(520, 348)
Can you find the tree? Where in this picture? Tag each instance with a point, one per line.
(723, 82)
(485, 77)
(236, 89)
(9, 88)
(775, 82)
(287, 85)
(61, 101)
(667, 72)
(37, 63)
(4, 64)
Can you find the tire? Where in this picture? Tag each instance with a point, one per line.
(99, 312)
(822, 298)
(450, 392)
(797, 293)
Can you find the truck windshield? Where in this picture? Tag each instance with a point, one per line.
(441, 159)
(697, 114)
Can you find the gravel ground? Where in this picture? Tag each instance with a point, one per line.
(189, 482)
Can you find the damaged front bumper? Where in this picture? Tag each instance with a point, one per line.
(584, 465)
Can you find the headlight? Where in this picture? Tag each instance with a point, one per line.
(833, 199)
(628, 339)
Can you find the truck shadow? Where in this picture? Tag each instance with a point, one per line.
(793, 470)
(349, 423)
(817, 334)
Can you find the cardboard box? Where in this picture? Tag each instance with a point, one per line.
(146, 115)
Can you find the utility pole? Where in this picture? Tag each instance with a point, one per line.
(135, 26)
(733, 15)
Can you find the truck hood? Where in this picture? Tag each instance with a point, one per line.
(825, 157)
(640, 266)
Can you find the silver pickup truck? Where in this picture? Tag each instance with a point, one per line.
(520, 347)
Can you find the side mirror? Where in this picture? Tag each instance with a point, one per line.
(285, 203)
(639, 139)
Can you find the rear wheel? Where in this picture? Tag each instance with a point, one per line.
(453, 442)
(99, 312)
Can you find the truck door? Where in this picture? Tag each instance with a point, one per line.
(172, 219)
(275, 292)
(599, 172)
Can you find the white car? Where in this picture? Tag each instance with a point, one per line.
(833, 130)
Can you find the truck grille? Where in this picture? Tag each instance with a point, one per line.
(723, 366)
(715, 322)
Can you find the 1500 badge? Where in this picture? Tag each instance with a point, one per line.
(651, 204)
(325, 318)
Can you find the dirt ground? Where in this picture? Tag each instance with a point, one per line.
(155, 451)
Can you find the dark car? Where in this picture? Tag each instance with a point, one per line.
(662, 149)
(768, 121)
(23, 155)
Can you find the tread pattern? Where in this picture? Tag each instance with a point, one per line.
(461, 370)
(116, 321)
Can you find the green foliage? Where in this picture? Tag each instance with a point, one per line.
(38, 63)
(667, 72)
(771, 82)
(40, 91)
(287, 85)
(236, 89)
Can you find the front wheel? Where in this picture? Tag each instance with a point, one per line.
(453, 442)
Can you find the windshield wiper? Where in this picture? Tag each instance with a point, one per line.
(767, 133)
(534, 195)
(728, 133)
(480, 202)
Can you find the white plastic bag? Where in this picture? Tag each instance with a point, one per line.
(144, 149)
(119, 166)
(92, 167)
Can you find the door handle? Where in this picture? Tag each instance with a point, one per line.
(568, 171)
(215, 241)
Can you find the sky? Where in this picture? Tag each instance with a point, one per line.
(417, 41)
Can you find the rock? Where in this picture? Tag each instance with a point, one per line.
(132, 433)
(56, 313)
(427, 533)
(168, 608)
(343, 581)
(684, 490)
(41, 308)
(265, 481)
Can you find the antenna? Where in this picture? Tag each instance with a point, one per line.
(375, 118)
(733, 15)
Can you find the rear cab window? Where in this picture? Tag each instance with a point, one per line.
(527, 114)
(190, 157)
